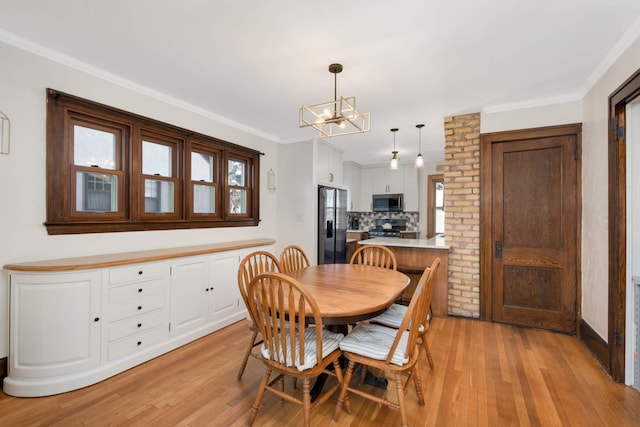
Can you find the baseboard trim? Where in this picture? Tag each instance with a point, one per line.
(595, 343)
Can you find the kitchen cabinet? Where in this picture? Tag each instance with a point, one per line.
(329, 165)
(411, 189)
(55, 324)
(366, 189)
(351, 180)
(387, 180)
(77, 321)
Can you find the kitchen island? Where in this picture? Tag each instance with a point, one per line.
(413, 256)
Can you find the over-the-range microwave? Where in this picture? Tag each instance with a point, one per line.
(388, 203)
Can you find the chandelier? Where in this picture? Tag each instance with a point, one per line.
(419, 158)
(337, 117)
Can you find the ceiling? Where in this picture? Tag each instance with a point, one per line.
(255, 62)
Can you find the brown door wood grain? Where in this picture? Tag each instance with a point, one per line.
(534, 230)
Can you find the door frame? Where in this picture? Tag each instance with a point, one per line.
(486, 207)
(617, 146)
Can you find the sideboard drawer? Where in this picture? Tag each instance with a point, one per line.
(138, 272)
(136, 290)
(136, 306)
(137, 342)
(135, 324)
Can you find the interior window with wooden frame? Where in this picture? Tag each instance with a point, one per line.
(435, 205)
(110, 170)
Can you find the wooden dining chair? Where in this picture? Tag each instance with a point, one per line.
(293, 258)
(290, 347)
(394, 351)
(252, 265)
(375, 256)
(393, 316)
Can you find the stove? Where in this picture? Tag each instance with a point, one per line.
(397, 225)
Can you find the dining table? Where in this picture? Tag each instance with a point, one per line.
(349, 293)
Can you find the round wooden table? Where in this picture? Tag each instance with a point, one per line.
(348, 293)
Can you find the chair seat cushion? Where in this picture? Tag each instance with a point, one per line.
(392, 317)
(330, 343)
(375, 341)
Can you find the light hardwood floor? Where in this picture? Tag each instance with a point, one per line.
(486, 374)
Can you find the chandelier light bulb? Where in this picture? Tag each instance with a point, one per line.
(419, 161)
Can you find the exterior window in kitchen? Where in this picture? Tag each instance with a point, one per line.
(159, 176)
(110, 170)
(435, 205)
(239, 185)
(204, 181)
(96, 170)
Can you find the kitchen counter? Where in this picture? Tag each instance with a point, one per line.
(432, 243)
(413, 256)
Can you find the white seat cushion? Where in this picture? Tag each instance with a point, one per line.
(392, 317)
(375, 341)
(330, 342)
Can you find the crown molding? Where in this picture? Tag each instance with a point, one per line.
(61, 58)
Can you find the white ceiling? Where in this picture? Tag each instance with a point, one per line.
(255, 62)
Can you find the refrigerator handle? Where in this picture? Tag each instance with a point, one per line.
(329, 229)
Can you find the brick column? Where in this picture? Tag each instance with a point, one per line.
(462, 212)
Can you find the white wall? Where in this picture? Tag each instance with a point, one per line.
(595, 275)
(24, 78)
(525, 118)
(297, 197)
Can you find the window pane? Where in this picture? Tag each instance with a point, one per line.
(439, 220)
(201, 167)
(204, 199)
(238, 201)
(236, 173)
(439, 194)
(158, 196)
(92, 147)
(96, 192)
(156, 159)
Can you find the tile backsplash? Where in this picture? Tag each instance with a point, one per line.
(367, 220)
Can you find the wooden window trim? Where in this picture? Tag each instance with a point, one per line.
(61, 106)
(203, 148)
(431, 203)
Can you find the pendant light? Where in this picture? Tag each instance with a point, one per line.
(394, 153)
(419, 159)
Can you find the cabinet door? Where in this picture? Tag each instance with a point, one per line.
(323, 165)
(224, 298)
(351, 181)
(55, 323)
(366, 189)
(335, 168)
(411, 197)
(189, 279)
(386, 180)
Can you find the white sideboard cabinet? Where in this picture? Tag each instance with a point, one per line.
(77, 321)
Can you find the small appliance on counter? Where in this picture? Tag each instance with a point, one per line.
(354, 222)
(387, 227)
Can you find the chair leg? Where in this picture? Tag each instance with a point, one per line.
(403, 407)
(417, 382)
(261, 390)
(306, 399)
(343, 391)
(428, 352)
(247, 354)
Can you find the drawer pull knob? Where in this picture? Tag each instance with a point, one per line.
(139, 307)
(140, 272)
(139, 342)
(97, 319)
(140, 290)
(139, 325)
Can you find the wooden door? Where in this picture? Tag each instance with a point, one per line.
(534, 229)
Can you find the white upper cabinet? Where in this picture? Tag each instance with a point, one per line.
(351, 180)
(329, 167)
(386, 180)
(366, 189)
(411, 188)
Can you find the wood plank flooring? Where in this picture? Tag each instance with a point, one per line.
(486, 374)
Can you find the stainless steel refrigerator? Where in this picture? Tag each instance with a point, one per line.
(332, 225)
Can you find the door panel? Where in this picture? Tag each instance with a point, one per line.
(534, 190)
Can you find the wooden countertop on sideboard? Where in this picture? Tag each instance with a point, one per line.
(124, 258)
